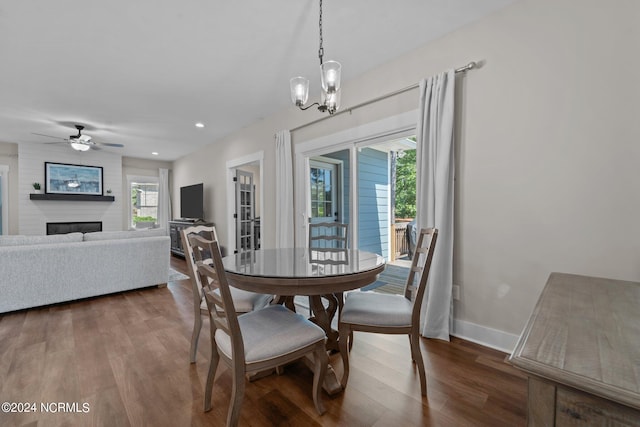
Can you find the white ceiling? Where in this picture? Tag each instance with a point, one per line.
(143, 72)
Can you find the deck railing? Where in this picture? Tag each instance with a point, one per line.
(401, 244)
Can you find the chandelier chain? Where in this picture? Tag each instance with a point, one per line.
(321, 49)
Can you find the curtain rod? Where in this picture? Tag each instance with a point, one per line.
(469, 66)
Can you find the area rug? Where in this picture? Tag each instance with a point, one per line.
(176, 275)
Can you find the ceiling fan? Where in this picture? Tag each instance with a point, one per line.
(81, 142)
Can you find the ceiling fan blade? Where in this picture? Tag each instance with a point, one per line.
(57, 142)
(49, 136)
(109, 144)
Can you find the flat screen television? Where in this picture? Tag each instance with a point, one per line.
(192, 201)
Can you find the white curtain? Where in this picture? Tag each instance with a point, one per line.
(164, 201)
(434, 194)
(284, 190)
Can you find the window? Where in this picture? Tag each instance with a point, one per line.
(143, 211)
(323, 190)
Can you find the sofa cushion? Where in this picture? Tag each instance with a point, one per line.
(40, 240)
(116, 235)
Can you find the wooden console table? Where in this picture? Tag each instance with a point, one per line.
(581, 352)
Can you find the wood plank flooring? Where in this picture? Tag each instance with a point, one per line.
(126, 356)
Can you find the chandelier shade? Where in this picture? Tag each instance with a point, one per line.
(331, 101)
(299, 91)
(330, 76)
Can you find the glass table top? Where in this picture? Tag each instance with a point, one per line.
(301, 262)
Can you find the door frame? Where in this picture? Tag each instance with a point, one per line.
(232, 165)
(351, 139)
(4, 202)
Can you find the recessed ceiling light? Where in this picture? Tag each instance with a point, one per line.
(155, 153)
(199, 125)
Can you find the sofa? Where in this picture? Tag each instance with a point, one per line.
(42, 270)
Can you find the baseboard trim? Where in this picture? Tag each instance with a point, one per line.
(488, 337)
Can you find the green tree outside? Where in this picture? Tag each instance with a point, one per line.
(405, 203)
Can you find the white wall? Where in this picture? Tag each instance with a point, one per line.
(34, 214)
(547, 150)
(9, 157)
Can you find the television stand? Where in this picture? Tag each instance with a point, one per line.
(190, 220)
(176, 226)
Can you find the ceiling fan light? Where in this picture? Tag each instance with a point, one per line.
(299, 91)
(330, 76)
(79, 146)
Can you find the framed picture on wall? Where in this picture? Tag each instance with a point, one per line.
(61, 178)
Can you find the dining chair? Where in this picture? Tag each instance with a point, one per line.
(328, 237)
(391, 314)
(244, 301)
(253, 342)
(328, 245)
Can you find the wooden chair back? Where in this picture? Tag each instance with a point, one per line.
(328, 235)
(208, 232)
(328, 243)
(220, 304)
(421, 265)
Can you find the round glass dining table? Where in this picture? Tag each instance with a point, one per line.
(319, 274)
(302, 271)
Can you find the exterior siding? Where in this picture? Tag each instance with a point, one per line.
(373, 195)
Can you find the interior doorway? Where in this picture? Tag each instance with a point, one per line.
(244, 202)
(247, 223)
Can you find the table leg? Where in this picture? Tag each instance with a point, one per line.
(323, 320)
(287, 301)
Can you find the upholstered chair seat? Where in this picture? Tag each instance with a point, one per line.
(374, 309)
(245, 301)
(271, 332)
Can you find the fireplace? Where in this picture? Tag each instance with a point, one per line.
(73, 227)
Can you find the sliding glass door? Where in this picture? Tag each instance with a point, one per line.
(357, 185)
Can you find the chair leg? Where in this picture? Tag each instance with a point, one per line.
(350, 340)
(320, 370)
(417, 358)
(237, 394)
(345, 332)
(195, 335)
(413, 358)
(213, 367)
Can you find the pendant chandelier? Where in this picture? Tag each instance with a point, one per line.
(329, 78)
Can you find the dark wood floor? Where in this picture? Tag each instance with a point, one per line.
(126, 357)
